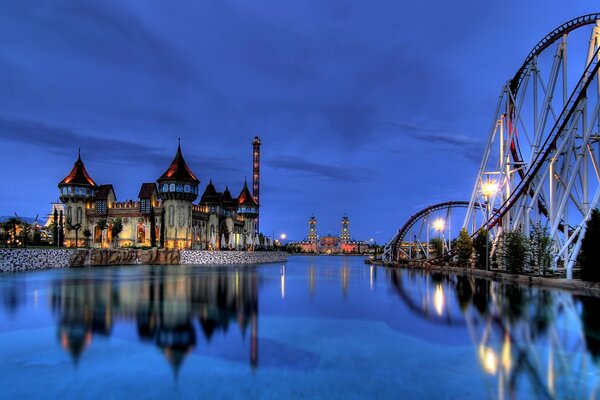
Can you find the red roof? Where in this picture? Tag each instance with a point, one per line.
(245, 198)
(179, 171)
(78, 175)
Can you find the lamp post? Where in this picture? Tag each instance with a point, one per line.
(439, 225)
(488, 189)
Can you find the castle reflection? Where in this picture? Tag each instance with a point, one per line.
(527, 341)
(168, 306)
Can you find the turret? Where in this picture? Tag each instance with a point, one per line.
(312, 229)
(256, 174)
(178, 182)
(77, 191)
(178, 188)
(227, 202)
(345, 230)
(78, 185)
(210, 198)
(246, 205)
(248, 209)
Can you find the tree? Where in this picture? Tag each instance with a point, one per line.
(152, 227)
(55, 228)
(76, 228)
(37, 237)
(438, 246)
(162, 230)
(87, 233)
(6, 228)
(102, 225)
(61, 231)
(540, 246)
(117, 228)
(590, 251)
(513, 251)
(12, 223)
(481, 247)
(464, 248)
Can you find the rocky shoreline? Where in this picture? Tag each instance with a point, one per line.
(33, 259)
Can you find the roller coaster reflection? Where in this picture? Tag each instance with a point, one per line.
(526, 340)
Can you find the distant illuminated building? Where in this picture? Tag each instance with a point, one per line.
(345, 231)
(312, 230)
(330, 244)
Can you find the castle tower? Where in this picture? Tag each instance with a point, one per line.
(256, 174)
(312, 230)
(77, 191)
(248, 209)
(345, 231)
(178, 188)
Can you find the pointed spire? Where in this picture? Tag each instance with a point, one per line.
(78, 175)
(245, 198)
(179, 170)
(210, 195)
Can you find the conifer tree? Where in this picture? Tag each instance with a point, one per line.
(464, 248)
(590, 249)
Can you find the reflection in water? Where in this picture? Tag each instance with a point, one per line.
(520, 335)
(165, 304)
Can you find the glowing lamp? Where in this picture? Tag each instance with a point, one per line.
(439, 224)
(489, 188)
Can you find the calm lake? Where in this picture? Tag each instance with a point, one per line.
(313, 327)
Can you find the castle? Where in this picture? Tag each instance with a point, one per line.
(330, 244)
(164, 215)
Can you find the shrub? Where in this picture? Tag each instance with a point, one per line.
(513, 251)
(590, 251)
(481, 247)
(540, 246)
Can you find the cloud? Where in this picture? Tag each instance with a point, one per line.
(313, 169)
(470, 147)
(108, 150)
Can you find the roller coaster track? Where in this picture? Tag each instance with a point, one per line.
(529, 174)
(401, 234)
(546, 42)
(550, 143)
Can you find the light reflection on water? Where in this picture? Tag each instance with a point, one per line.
(301, 325)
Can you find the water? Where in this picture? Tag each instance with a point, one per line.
(327, 327)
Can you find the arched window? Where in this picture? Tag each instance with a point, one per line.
(141, 233)
(79, 215)
(97, 235)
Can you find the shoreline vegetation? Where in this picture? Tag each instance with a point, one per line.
(574, 286)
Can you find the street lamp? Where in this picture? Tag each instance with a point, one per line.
(488, 189)
(439, 225)
(283, 236)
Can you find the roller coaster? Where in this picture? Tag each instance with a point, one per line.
(542, 153)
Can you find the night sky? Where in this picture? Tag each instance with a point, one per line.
(371, 108)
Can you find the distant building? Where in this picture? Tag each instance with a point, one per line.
(330, 244)
(164, 215)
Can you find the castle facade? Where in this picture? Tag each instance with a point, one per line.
(165, 215)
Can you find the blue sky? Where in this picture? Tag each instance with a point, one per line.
(371, 108)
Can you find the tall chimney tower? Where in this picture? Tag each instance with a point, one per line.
(256, 174)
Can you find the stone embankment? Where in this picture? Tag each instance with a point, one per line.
(231, 257)
(28, 259)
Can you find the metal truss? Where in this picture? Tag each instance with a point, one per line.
(543, 150)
